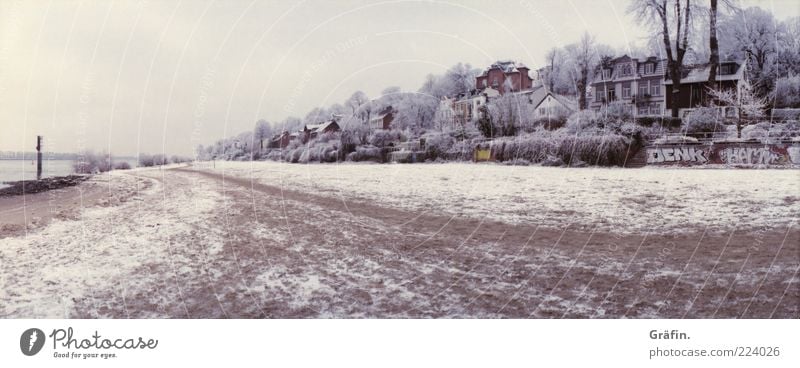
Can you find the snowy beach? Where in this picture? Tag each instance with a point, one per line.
(271, 240)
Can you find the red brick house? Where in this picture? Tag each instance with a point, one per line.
(280, 140)
(502, 72)
(314, 130)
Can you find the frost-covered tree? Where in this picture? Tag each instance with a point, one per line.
(460, 78)
(415, 111)
(262, 133)
(787, 92)
(751, 34)
(509, 113)
(788, 58)
(749, 104)
(356, 102)
(582, 59)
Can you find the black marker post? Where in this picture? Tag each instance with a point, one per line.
(38, 157)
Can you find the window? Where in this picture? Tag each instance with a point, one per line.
(655, 89)
(643, 110)
(599, 96)
(626, 92)
(697, 97)
(726, 69)
(642, 89)
(626, 70)
(655, 108)
(611, 95)
(649, 68)
(606, 73)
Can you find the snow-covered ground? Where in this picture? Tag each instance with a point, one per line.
(614, 199)
(191, 244)
(46, 273)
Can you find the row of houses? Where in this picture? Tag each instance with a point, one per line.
(641, 85)
(306, 134)
(499, 79)
(381, 120)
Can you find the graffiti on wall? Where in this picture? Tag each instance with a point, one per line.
(738, 154)
(750, 156)
(688, 154)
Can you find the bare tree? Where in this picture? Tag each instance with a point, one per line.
(713, 43)
(355, 101)
(262, 131)
(657, 12)
(583, 58)
(753, 32)
(551, 74)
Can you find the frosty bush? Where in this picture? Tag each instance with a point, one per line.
(766, 132)
(551, 123)
(703, 121)
(603, 150)
(618, 111)
(583, 120)
(787, 92)
(366, 153)
(463, 150)
(89, 162)
(318, 151)
(779, 115)
(437, 145)
(383, 138)
(122, 166)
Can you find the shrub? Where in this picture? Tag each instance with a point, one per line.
(582, 120)
(703, 121)
(662, 121)
(767, 132)
(618, 110)
(553, 123)
(787, 92)
(779, 115)
(383, 138)
(366, 153)
(556, 148)
(89, 162)
(122, 166)
(437, 145)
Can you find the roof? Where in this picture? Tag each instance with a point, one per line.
(321, 126)
(699, 73)
(638, 71)
(539, 95)
(507, 66)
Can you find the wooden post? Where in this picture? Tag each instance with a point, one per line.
(38, 157)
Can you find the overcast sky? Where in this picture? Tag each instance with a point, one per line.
(163, 76)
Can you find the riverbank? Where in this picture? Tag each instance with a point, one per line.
(37, 186)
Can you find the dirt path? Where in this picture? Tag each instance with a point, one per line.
(201, 245)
